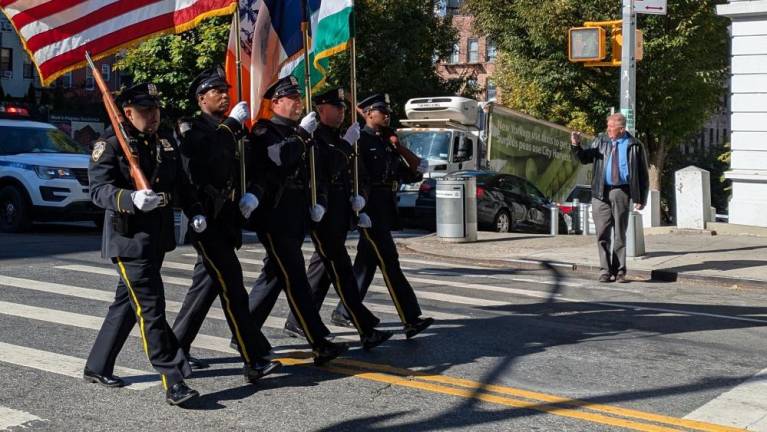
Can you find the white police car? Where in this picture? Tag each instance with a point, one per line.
(43, 175)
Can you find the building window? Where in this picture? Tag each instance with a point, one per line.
(455, 56)
(106, 71)
(473, 51)
(490, 90)
(454, 5)
(490, 51)
(29, 70)
(65, 81)
(90, 83)
(6, 63)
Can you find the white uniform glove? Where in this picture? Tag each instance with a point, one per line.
(364, 221)
(199, 223)
(317, 212)
(248, 203)
(309, 123)
(423, 166)
(353, 133)
(358, 202)
(145, 199)
(240, 112)
(274, 153)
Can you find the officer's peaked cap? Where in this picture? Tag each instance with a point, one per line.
(207, 80)
(287, 86)
(143, 94)
(378, 101)
(332, 96)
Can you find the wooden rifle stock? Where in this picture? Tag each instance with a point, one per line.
(114, 117)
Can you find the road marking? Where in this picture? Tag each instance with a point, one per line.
(743, 406)
(70, 366)
(383, 373)
(11, 418)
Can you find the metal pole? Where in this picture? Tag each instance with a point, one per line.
(308, 105)
(353, 90)
(238, 63)
(628, 66)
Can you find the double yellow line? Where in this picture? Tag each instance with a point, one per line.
(508, 396)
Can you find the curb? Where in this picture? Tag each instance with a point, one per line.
(659, 275)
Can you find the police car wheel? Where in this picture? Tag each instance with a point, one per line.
(502, 221)
(14, 210)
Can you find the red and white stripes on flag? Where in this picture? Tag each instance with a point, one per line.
(57, 33)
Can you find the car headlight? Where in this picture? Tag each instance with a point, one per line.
(48, 173)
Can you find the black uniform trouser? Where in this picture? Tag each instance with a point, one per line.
(218, 272)
(376, 249)
(140, 297)
(284, 269)
(331, 263)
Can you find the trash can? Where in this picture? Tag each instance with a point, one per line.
(457, 209)
(635, 235)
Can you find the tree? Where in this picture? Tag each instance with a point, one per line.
(680, 81)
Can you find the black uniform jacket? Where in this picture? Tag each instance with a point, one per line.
(385, 170)
(209, 149)
(129, 232)
(283, 191)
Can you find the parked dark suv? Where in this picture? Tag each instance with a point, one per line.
(504, 203)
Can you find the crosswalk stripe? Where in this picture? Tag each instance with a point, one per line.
(69, 366)
(744, 406)
(13, 419)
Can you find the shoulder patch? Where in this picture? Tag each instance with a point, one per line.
(166, 145)
(98, 150)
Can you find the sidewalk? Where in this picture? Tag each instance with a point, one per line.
(730, 259)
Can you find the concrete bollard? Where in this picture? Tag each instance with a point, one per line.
(651, 211)
(635, 235)
(554, 219)
(585, 212)
(693, 197)
(575, 216)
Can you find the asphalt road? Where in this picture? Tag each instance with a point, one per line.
(511, 350)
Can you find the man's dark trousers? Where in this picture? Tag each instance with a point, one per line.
(612, 213)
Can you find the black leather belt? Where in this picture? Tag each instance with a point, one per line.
(165, 198)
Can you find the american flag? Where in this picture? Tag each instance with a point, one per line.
(57, 33)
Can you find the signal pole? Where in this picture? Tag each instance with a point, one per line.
(628, 65)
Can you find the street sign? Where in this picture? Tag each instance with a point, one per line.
(655, 7)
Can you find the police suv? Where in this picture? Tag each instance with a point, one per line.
(43, 174)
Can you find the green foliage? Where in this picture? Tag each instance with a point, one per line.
(172, 61)
(679, 82)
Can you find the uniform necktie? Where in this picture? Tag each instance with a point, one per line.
(614, 165)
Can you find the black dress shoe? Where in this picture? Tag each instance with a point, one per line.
(375, 338)
(260, 368)
(417, 327)
(293, 330)
(196, 363)
(105, 380)
(327, 351)
(179, 393)
(341, 321)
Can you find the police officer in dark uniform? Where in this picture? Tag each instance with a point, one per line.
(385, 168)
(280, 166)
(209, 146)
(330, 261)
(138, 231)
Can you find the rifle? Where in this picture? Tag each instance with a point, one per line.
(410, 158)
(114, 117)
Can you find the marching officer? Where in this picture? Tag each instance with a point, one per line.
(331, 261)
(385, 168)
(280, 165)
(209, 146)
(138, 231)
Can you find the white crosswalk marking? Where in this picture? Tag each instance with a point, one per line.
(12, 419)
(744, 406)
(70, 366)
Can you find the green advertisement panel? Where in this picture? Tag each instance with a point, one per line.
(535, 150)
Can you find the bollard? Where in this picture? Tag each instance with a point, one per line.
(576, 216)
(635, 235)
(585, 219)
(554, 212)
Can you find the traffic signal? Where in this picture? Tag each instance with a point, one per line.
(586, 44)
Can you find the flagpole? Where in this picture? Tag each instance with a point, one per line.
(238, 63)
(308, 102)
(353, 90)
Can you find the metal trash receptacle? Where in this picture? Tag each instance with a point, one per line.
(457, 209)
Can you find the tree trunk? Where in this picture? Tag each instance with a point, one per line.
(656, 162)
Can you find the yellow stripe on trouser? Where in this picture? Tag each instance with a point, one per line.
(337, 285)
(289, 290)
(386, 276)
(227, 306)
(140, 316)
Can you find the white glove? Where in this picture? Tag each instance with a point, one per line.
(274, 153)
(309, 123)
(145, 199)
(423, 166)
(364, 221)
(248, 203)
(353, 133)
(317, 212)
(240, 112)
(358, 202)
(199, 223)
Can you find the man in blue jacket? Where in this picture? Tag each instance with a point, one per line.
(620, 175)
